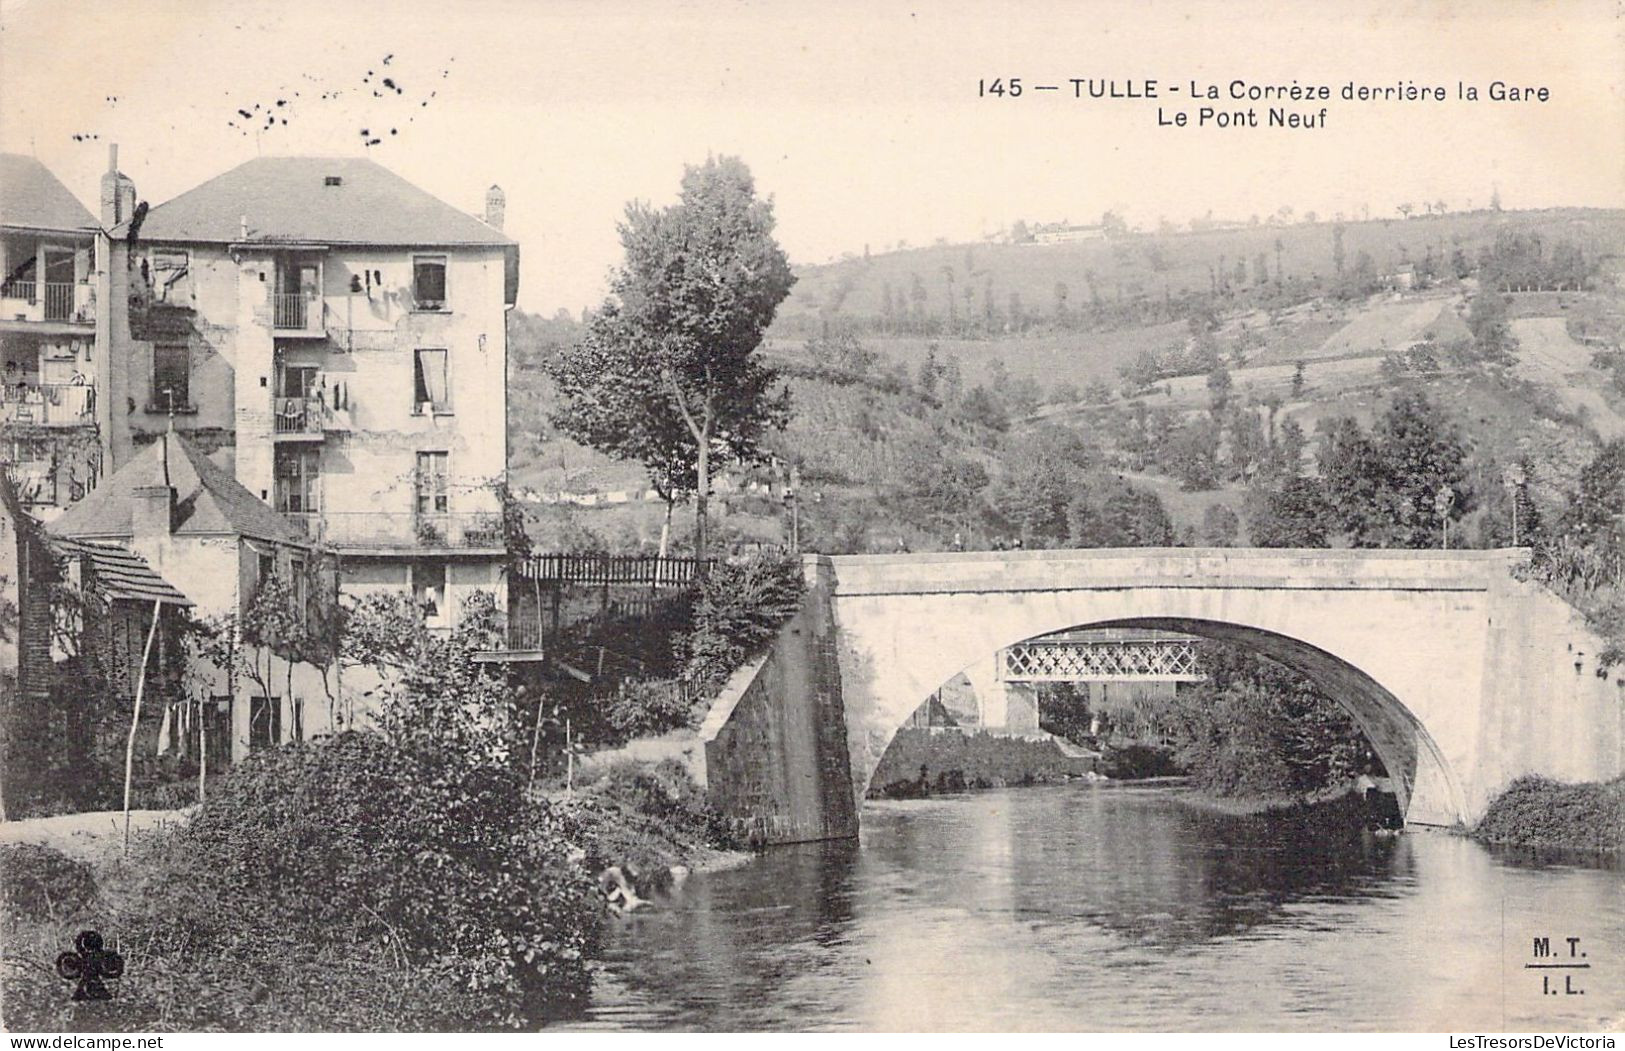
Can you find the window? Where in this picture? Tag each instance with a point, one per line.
(429, 592)
(429, 282)
(297, 381)
(431, 484)
(298, 479)
(171, 378)
(265, 570)
(264, 722)
(431, 383)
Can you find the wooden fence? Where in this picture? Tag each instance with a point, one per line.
(646, 571)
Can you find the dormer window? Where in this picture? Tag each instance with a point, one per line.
(429, 282)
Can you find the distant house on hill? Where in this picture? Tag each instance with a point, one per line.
(1066, 233)
(1402, 278)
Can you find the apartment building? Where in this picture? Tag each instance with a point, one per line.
(49, 440)
(336, 337)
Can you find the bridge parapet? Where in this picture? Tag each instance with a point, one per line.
(1195, 567)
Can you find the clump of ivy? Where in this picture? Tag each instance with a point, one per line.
(737, 614)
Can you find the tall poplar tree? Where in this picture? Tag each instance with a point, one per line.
(668, 372)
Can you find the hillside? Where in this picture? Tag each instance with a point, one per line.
(910, 438)
(1150, 264)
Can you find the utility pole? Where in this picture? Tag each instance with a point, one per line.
(1441, 504)
(1513, 478)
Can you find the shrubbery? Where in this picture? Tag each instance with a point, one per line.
(1538, 812)
(39, 882)
(957, 761)
(739, 611)
(1256, 727)
(353, 842)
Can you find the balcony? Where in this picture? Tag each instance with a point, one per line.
(48, 404)
(383, 531)
(297, 315)
(42, 302)
(306, 418)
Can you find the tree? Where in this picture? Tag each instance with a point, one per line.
(1384, 486)
(1492, 332)
(668, 373)
(1219, 385)
(1296, 514)
(1113, 513)
(1593, 515)
(1192, 456)
(1219, 525)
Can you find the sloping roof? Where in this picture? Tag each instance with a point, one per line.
(121, 574)
(209, 501)
(31, 196)
(288, 199)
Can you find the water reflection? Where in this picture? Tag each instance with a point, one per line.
(1076, 907)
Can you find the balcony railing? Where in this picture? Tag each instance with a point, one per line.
(397, 530)
(49, 300)
(307, 417)
(48, 404)
(297, 313)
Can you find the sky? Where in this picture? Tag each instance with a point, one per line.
(862, 120)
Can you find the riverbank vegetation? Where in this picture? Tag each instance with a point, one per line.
(1539, 812)
(416, 875)
(922, 762)
(351, 884)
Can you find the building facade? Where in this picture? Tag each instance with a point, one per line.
(337, 338)
(49, 438)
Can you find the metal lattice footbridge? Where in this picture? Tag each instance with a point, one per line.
(1102, 656)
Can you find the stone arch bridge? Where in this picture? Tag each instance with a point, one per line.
(1463, 674)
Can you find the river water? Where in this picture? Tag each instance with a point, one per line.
(1121, 908)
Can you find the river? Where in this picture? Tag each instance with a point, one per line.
(1121, 908)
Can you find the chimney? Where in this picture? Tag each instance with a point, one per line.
(126, 198)
(151, 513)
(118, 192)
(496, 205)
(110, 185)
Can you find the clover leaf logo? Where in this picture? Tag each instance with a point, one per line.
(90, 964)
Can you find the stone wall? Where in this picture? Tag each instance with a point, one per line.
(776, 754)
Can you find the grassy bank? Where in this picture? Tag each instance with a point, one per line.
(320, 888)
(1538, 812)
(920, 762)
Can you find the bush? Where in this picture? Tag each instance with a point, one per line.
(648, 817)
(738, 613)
(957, 761)
(1136, 761)
(647, 707)
(39, 882)
(1539, 812)
(352, 844)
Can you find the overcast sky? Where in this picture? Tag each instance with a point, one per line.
(861, 118)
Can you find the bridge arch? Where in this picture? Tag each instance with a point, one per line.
(1388, 657)
(1398, 737)
(1464, 673)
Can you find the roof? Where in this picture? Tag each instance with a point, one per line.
(32, 197)
(289, 200)
(209, 501)
(121, 574)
